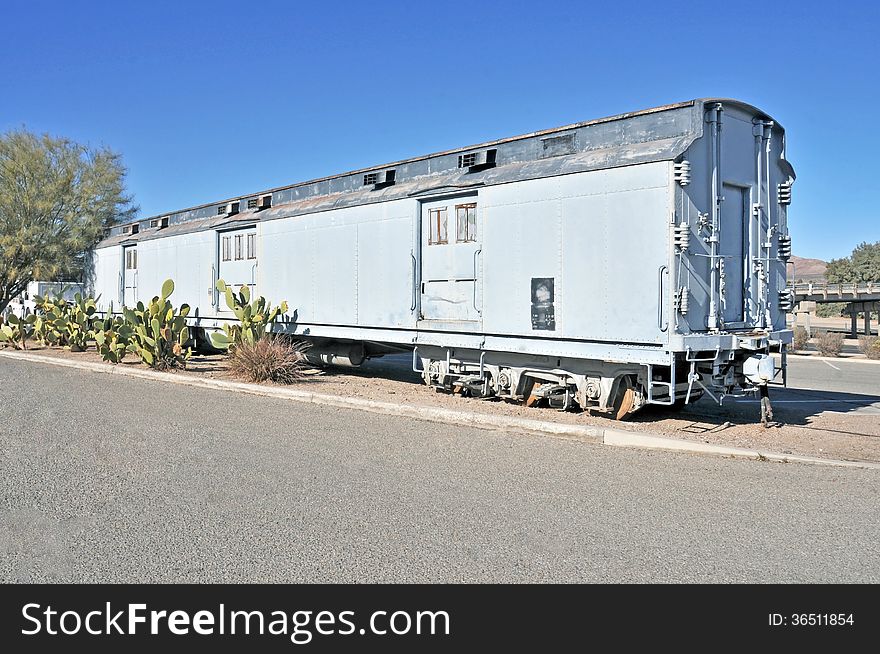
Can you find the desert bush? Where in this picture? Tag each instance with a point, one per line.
(800, 339)
(830, 309)
(870, 346)
(830, 344)
(271, 358)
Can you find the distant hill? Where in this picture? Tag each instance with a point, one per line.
(809, 270)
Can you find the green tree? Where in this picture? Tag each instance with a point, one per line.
(56, 199)
(863, 265)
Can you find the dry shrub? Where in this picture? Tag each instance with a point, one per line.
(274, 359)
(870, 346)
(800, 339)
(830, 344)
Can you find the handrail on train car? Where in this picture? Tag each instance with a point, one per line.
(688, 357)
(476, 254)
(414, 266)
(663, 328)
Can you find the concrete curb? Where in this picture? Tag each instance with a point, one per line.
(586, 433)
(620, 438)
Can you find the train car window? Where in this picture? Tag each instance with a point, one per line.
(251, 246)
(437, 226)
(227, 249)
(466, 223)
(239, 252)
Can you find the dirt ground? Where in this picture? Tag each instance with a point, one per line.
(842, 433)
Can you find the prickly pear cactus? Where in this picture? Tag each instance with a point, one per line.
(15, 331)
(77, 324)
(59, 322)
(254, 318)
(113, 335)
(49, 311)
(158, 333)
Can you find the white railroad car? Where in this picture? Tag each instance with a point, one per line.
(24, 304)
(609, 264)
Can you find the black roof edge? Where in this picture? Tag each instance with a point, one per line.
(477, 146)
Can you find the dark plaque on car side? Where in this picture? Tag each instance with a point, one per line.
(543, 314)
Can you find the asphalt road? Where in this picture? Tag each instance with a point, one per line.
(128, 480)
(856, 376)
(840, 385)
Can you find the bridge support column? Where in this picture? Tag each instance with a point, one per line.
(854, 325)
(867, 322)
(805, 309)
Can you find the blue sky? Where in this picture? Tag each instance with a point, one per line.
(211, 99)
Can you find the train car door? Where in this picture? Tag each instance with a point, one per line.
(129, 275)
(238, 261)
(734, 235)
(450, 249)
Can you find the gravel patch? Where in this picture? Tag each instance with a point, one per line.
(806, 425)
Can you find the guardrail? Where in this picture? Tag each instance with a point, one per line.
(825, 292)
(861, 298)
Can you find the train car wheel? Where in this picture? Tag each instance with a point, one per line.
(624, 400)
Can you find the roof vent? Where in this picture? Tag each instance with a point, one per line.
(265, 201)
(555, 146)
(135, 228)
(252, 203)
(380, 179)
(228, 209)
(476, 161)
(161, 223)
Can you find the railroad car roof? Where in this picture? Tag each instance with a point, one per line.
(656, 134)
